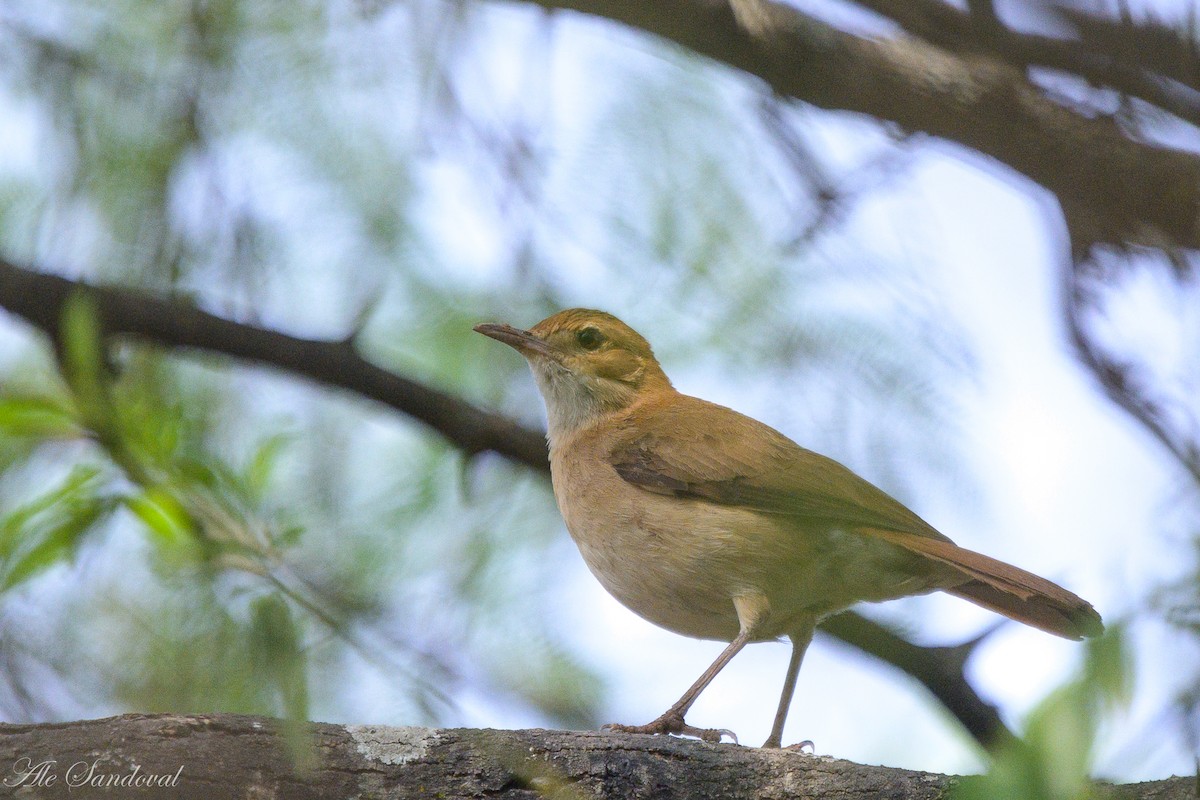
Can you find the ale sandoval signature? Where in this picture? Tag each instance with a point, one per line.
(80, 774)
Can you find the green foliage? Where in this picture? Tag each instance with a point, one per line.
(199, 513)
(83, 362)
(49, 529)
(162, 515)
(36, 417)
(181, 645)
(549, 677)
(1053, 758)
(278, 653)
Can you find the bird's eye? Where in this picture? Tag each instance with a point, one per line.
(589, 338)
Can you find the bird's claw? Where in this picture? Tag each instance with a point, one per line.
(799, 747)
(672, 722)
(721, 732)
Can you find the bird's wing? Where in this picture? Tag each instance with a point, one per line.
(692, 448)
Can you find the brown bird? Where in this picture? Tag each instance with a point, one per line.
(713, 525)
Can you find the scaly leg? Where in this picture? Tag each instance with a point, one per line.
(671, 720)
(800, 642)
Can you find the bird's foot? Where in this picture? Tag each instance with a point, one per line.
(774, 743)
(672, 722)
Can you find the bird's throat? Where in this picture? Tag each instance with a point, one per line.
(574, 402)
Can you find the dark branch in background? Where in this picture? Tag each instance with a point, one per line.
(38, 298)
(1158, 47)
(983, 17)
(939, 669)
(1119, 380)
(1124, 188)
(963, 79)
(964, 33)
(833, 198)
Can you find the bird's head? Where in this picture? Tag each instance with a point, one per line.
(587, 364)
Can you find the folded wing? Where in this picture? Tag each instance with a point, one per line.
(713, 453)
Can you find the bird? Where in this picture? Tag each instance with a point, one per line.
(713, 525)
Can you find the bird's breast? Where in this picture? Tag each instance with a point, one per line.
(677, 562)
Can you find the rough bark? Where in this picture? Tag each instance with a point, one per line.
(212, 757)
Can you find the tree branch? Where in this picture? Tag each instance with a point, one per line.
(1119, 381)
(1160, 47)
(939, 669)
(38, 298)
(946, 26)
(1124, 187)
(222, 756)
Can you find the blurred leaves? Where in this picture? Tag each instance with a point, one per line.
(277, 652)
(83, 361)
(36, 417)
(50, 528)
(228, 578)
(162, 515)
(1053, 758)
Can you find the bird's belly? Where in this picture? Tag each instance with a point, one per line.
(668, 572)
(679, 562)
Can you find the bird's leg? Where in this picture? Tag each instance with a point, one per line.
(671, 720)
(800, 642)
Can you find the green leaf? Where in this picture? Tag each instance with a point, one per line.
(1052, 759)
(38, 417)
(14, 528)
(287, 535)
(56, 544)
(278, 656)
(1108, 670)
(262, 465)
(83, 363)
(163, 515)
(278, 653)
(81, 336)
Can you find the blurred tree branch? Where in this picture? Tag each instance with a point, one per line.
(1173, 426)
(941, 670)
(962, 75)
(1115, 187)
(976, 32)
(39, 299)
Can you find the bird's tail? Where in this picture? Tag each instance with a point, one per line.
(1006, 589)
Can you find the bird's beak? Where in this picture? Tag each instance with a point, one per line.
(524, 342)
